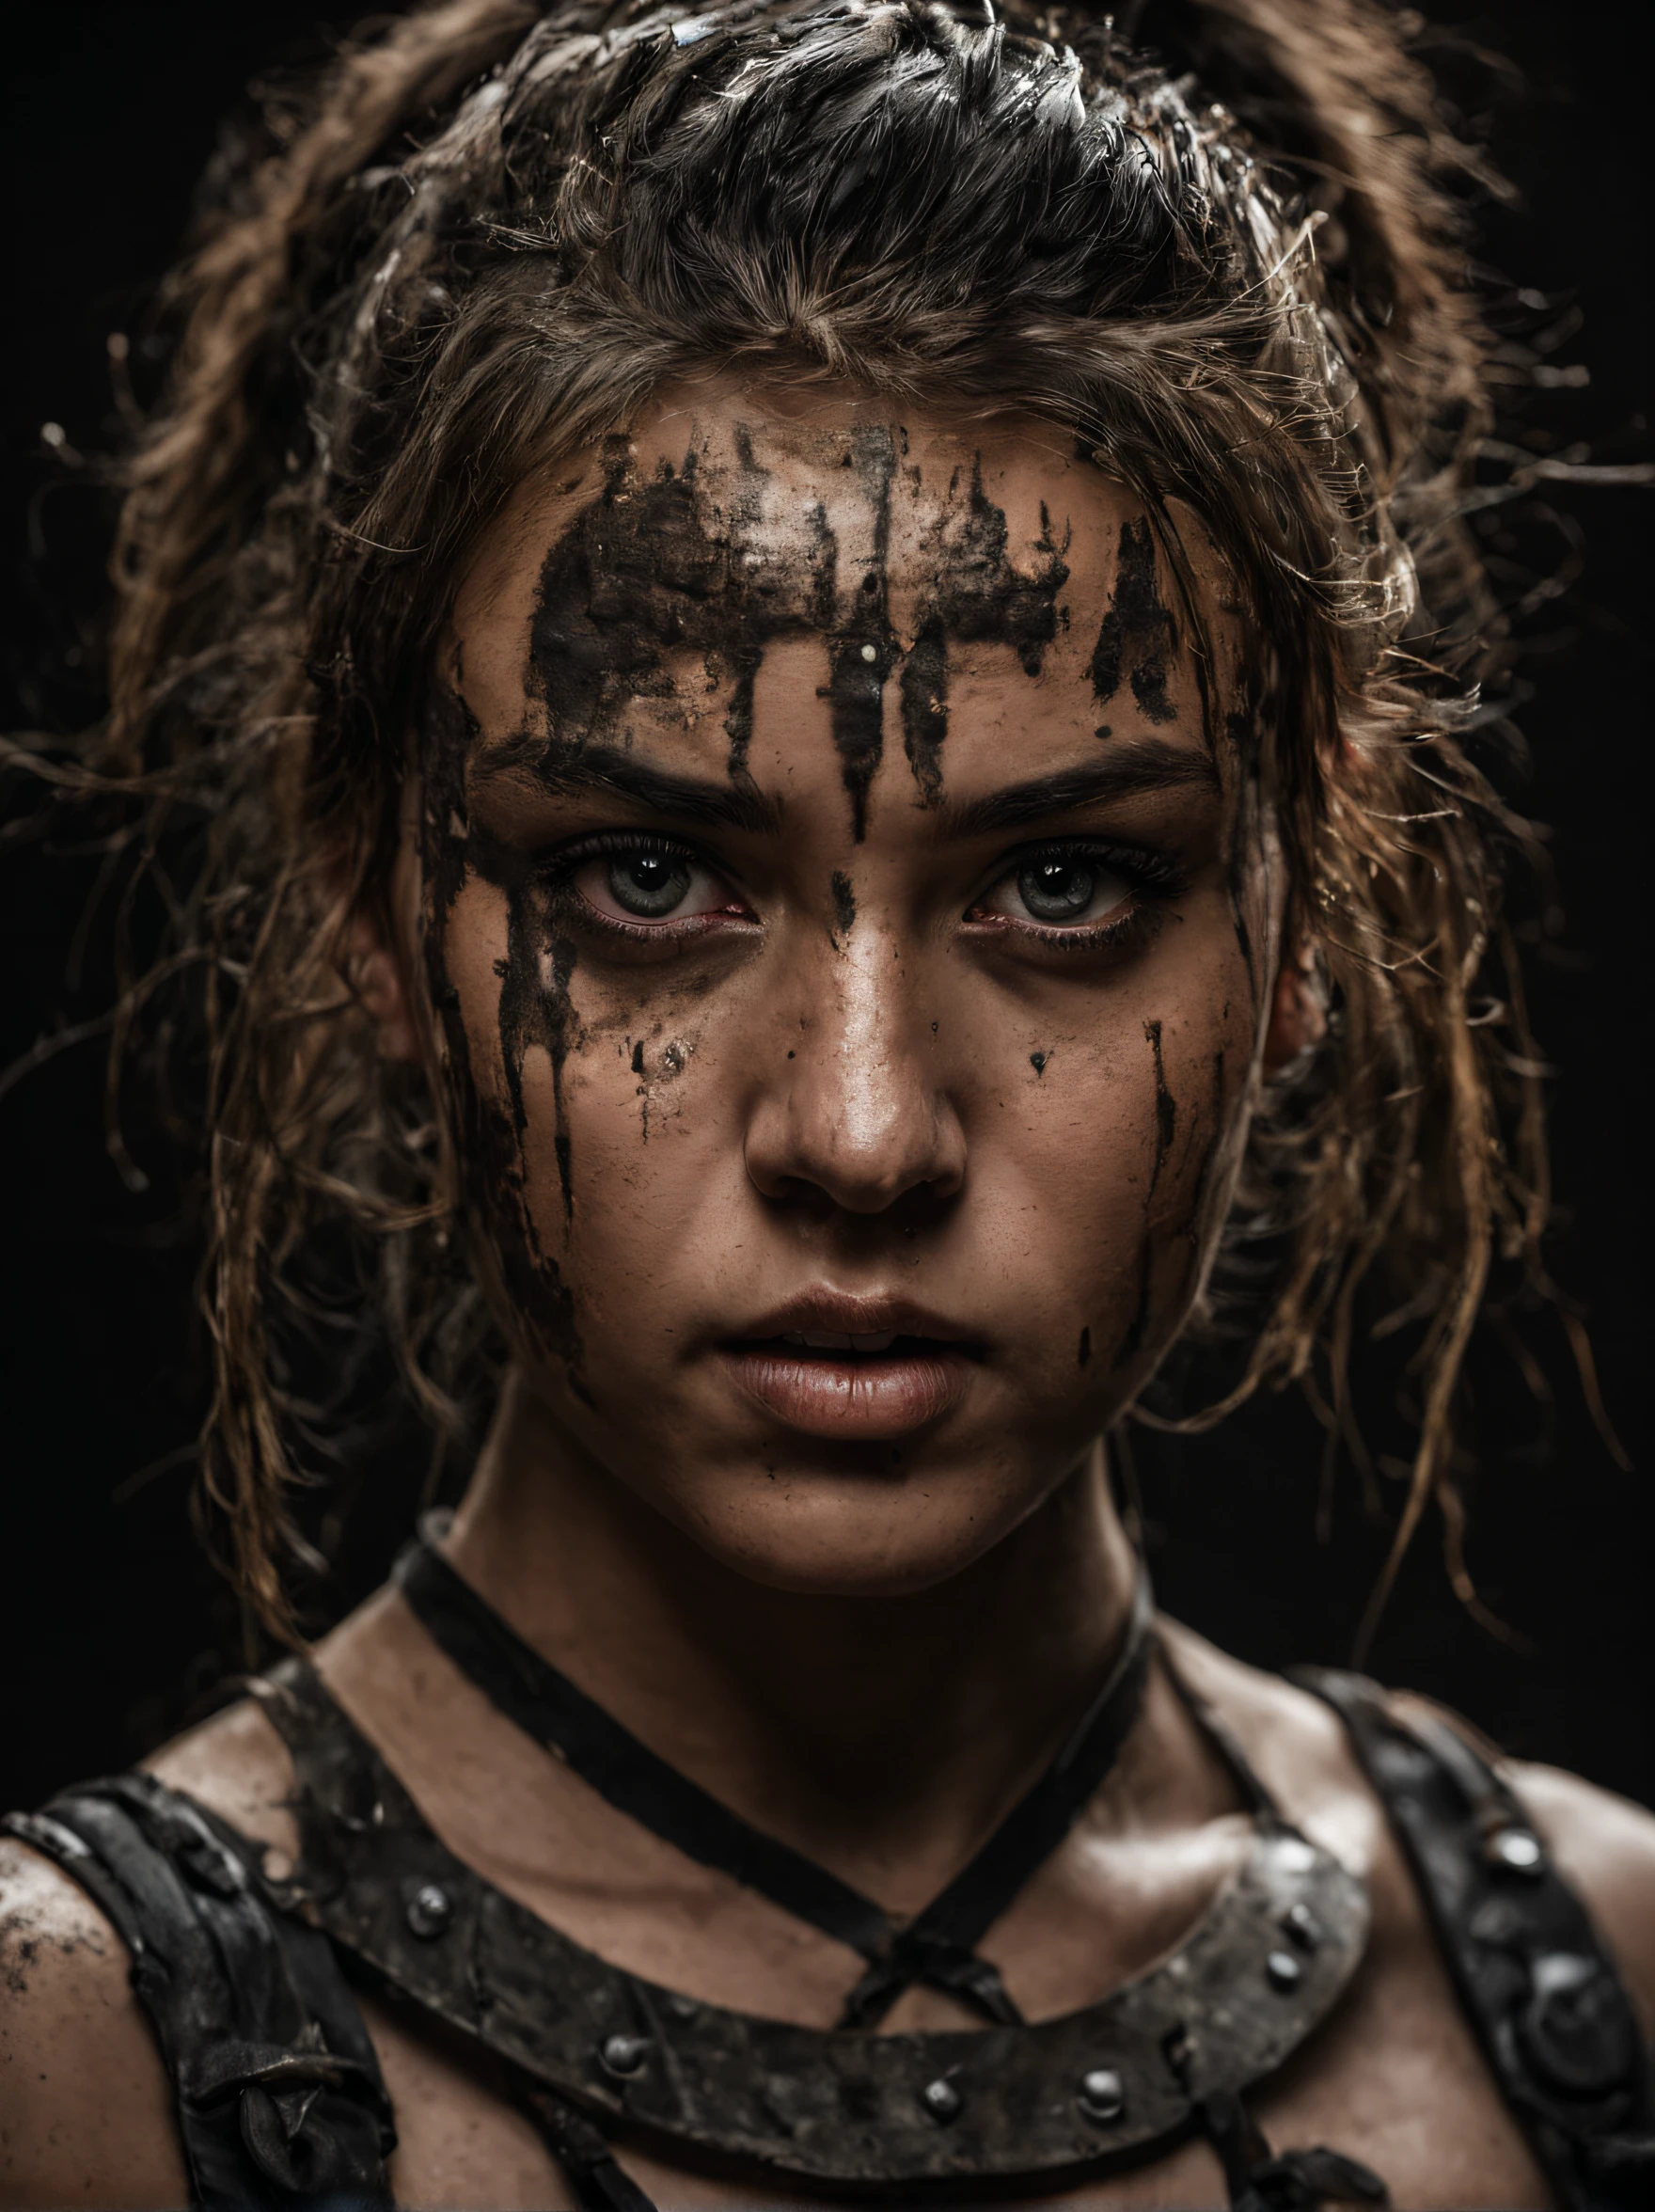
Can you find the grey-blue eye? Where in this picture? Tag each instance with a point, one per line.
(649, 884)
(1058, 888)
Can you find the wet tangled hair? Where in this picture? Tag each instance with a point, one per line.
(1214, 239)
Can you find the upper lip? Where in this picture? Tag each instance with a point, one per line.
(839, 1313)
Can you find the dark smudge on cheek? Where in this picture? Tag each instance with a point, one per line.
(845, 905)
(1135, 1327)
(1166, 1123)
(1138, 637)
(1166, 1109)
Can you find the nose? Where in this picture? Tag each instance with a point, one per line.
(860, 1116)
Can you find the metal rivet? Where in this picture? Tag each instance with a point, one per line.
(1302, 1926)
(1284, 1969)
(1516, 1850)
(624, 2054)
(941, 2099)
(1103, 2094)
(870, 651)
(430, 1910)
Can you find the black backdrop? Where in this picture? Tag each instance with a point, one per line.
(114, 1631)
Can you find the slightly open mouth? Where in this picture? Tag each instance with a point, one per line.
(830, 1345)
(869, 1386)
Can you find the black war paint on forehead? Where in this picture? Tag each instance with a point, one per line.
(681, 564)
(863, 652)
(976, 594)
(1138, 637)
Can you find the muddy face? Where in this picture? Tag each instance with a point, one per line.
(845, 1005)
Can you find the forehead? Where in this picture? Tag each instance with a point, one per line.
(675, 589)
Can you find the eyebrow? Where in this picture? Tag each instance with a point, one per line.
(1126, 770)
(601, 769)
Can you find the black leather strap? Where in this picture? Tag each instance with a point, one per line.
(1530, 1971)
(280, 2101)
(936, 1945)
(1114, 2084)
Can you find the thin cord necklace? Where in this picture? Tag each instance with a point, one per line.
(938, 1945)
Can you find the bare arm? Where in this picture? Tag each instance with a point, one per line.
(85, 2108)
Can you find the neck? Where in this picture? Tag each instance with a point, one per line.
(880, 1728)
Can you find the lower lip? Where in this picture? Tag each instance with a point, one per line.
(868, 1399)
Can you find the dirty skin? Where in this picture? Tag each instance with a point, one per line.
(486, 1140)
(666, 590)
(1138, 637)
(668, 567)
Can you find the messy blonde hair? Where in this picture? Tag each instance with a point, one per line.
(1215, 240)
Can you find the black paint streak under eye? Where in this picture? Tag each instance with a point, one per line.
(1085, 1346)
(1166, 1106)
(844, 904)
(561, 1027)
(489, 1142)
(1037, 1061)
(974, 593)
(638, 1057)
(1137, 633)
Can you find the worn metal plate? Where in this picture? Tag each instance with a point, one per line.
(1253, 1979)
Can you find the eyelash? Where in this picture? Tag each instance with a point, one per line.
(1153, 877)
(557, 870)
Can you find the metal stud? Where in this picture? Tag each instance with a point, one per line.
(624, 2054)
(1516, 1850)
(430, 1910)
(1283, 1970)
(941, 2099)
(1302, 1926)
(1102, 2096)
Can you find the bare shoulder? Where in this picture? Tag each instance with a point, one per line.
(85, 2104)
(1604, 1848)
(86, 2108)
(1294, 1742)
(237, 1766)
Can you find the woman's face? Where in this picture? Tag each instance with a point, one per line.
(846, 980)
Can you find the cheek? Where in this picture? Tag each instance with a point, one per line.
(1124, 1150)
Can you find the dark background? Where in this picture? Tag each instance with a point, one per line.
(111, 1629)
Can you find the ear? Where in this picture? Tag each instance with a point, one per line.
(374, 976)
(1299, 1011)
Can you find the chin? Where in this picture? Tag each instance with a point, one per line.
(883, 1535)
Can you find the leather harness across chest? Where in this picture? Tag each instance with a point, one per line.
(248, 1982)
